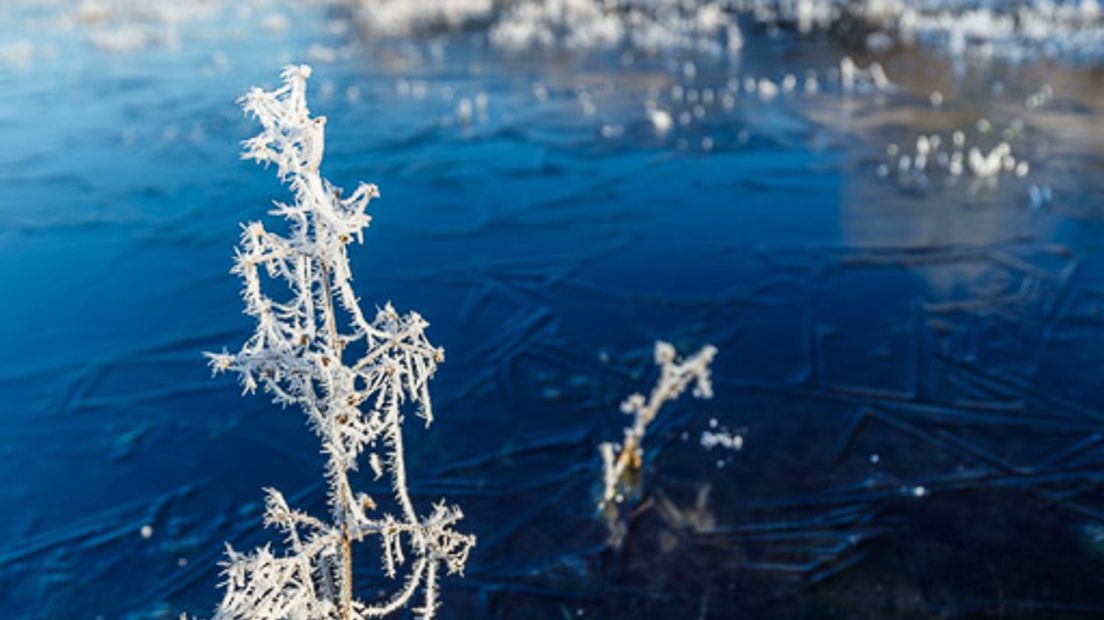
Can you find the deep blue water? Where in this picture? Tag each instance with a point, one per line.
(915, 371)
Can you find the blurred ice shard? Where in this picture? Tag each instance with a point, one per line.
(406, 17)
(654, 25)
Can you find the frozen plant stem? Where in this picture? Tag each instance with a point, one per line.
(620, 462)
(300, 354)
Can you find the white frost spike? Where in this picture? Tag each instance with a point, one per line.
(298, 354)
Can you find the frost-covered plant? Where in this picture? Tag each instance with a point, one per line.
(302, 353)
(622, 462)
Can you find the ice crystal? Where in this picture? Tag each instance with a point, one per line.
(302, 354)
(620, 461)
(864, 79)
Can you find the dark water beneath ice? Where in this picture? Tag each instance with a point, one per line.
(914, 368)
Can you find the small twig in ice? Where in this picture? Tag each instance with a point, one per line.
(620, 461)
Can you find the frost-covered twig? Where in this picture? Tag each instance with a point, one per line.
(300, 352)
(620, 461)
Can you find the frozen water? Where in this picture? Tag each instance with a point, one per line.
(552, 213)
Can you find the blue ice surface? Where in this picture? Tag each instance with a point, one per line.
(953, 332)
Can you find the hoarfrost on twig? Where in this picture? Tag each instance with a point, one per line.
(301, 353)
(675, 375)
